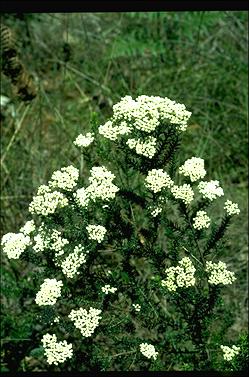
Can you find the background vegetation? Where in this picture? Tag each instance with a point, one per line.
(81, 64)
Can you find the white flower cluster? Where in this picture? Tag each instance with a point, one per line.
(148, 350)
(83, 141)
(41, 239)
(155, 211)
(157, 179)
(146, 112)
(193, 168)
(231, 208)
(49, 291)
(47, 202)
(56, 352)
(176, 113)
(201, 220)
(210, 190)
(82, 197)
(98, 174)
(219, 273)
(107, 288)
(183, 192)
(43, 189)
(28, 227)
(96, 232)
(180, 276)
(144, 116)
(66, 178)
(230, 352)
(136, 307)
(112, 132)
(57, 242)
(101, 187)
(85, 322)
(145, 147)
(72, 263)
(14, 244)
(40, 242)
(49, 238)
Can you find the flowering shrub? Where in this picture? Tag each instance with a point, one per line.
(129, 258)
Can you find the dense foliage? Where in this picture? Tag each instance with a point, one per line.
(137, 203)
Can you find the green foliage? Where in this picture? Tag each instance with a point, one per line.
(217, 234)
(241, 360)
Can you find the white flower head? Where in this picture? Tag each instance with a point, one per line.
(14, 244)
(229, 352)
(148, 350)
(28, 227)
(47, 203)
(101, 186)
(157, 179)
(201, 220)
(231, 208)
(210, 190)
(49, 291)
(82, 197)
(137, 307)
(193, 168)
(96, 232)
(112, 132)
(146, 147)
(56, 352)
(57, 242)
(155, 211)
(180, 276)
(73, 261)
(98, 174)
(83, 141)
(66, 178)
(218, 273)
(183, 192)
(85, 321)
(43, 189)
(107, 288)
(41, 239)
